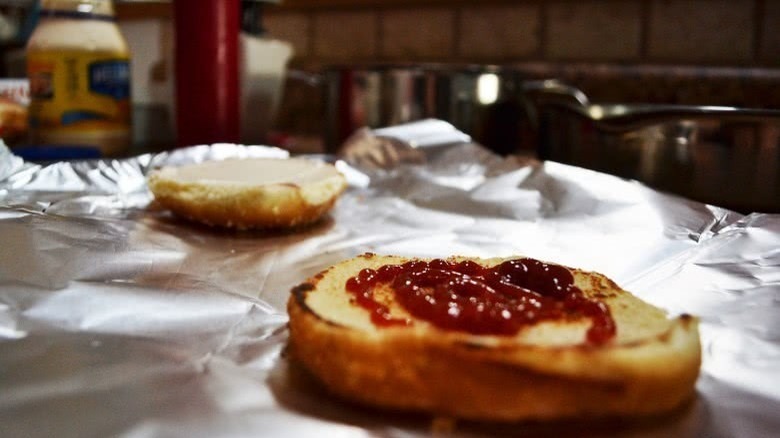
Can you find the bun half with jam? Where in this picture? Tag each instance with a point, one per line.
(490, 339)
(249, 193)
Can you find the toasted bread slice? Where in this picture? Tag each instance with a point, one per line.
(249, 193)
(545, 371)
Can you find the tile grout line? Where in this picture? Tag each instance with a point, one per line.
(645, 11)
(542, 50)
(379, 33)
(759, 8)
(310, 35)
(457, 18)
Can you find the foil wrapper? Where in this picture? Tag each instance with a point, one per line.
(118, 319)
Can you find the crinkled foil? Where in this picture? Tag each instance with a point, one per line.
(117, 319)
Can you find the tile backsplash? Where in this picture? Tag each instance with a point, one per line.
(608, 31)
(708, 32)
(713, 52)
(499, 31)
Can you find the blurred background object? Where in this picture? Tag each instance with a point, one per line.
(207, 79)
(14, 89)
(13, 121)
(78, 67)
(14, 100)
(728, 156)
(17, 20)
(263, 65)
(484, 101)
(713, 52)
(228, 75)
(705, 52)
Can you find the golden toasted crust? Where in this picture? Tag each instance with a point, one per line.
(244, 206)
(542, 373)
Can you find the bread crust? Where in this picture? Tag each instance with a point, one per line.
(455, 374)
(241, 206)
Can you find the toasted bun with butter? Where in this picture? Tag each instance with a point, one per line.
(250, 192)
(545, 371)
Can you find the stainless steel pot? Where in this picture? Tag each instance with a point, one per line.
(485, 102)
(721, 155)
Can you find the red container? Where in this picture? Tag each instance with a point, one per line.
(207, 81)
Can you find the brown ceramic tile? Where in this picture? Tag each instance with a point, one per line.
(701, 30)
(499, 31)
(769, 48)
(290, 27)
(417, 34)
(345, 35)
(598, 30)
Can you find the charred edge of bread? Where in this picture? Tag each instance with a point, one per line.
(451, 374)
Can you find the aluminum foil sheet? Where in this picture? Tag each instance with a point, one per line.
(117, 319)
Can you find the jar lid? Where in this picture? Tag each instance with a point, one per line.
(78, 9)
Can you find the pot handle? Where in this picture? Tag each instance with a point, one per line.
(305, 77)
(621, 118)
(554, 94)
(540, 94)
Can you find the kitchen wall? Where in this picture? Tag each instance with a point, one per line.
(706, 32)
(719, 52)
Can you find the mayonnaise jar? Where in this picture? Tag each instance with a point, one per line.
(78, 65)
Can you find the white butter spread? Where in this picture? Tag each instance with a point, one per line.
(252, 171)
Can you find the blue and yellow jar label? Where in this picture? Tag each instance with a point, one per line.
(76, 90)
(110, 78)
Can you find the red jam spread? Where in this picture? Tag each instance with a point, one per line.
(469, 297)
